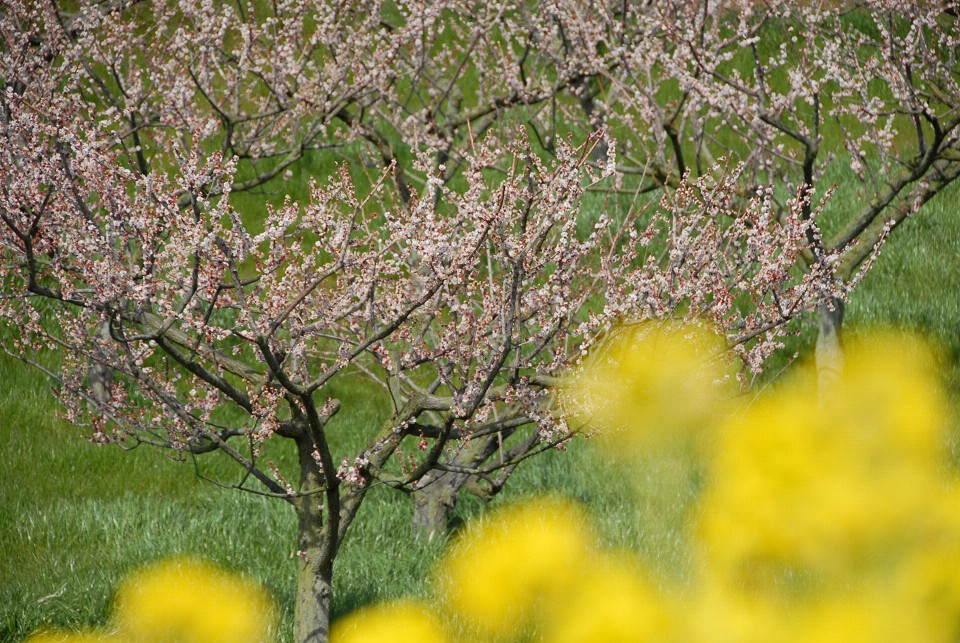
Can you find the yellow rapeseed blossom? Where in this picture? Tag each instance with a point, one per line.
(870, 614)
(502, 570)
(891, 401)
(611, 602)
(189, 601)
(718, 611)
(396, 622)
(829, 487)
(928, 583)
(830, 511)
(651, 385)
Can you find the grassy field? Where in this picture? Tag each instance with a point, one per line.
(74, 518)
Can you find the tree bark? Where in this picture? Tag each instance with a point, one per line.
(434, 502)
(436, 495)
(829, 351)
(318, 542)
(312, 609)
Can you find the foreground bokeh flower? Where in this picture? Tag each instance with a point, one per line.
(396, 622)
(832, 481)
(182, 600)
(190, 601)
(831, 515)
(503, 570)
(612, 601)
(651, 385)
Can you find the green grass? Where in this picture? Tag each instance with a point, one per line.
(75, 518)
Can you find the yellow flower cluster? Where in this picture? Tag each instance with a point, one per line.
(826, 516)
(182, 601)
(533, 571)
(832, 513)
(652, 386)
(398, 621)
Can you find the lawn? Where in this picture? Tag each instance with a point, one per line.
(75, 518)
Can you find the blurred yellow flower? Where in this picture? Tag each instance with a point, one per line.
(651, 385)
(189, 601)
(503, 569)
(890, 400)
(612, 602)
(929, 584)
(871, 614)
(718, 611)
(829, 488)
(396, 622)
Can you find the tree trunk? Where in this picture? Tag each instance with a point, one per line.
(434, 502)
(317, 541)
(829, 352)
(436, 495)
(312, 610)
(312, 615)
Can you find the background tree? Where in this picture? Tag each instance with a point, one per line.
(465, 295)
(804, 93)
(797, 91)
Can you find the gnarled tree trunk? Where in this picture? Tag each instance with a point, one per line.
(436, 494)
